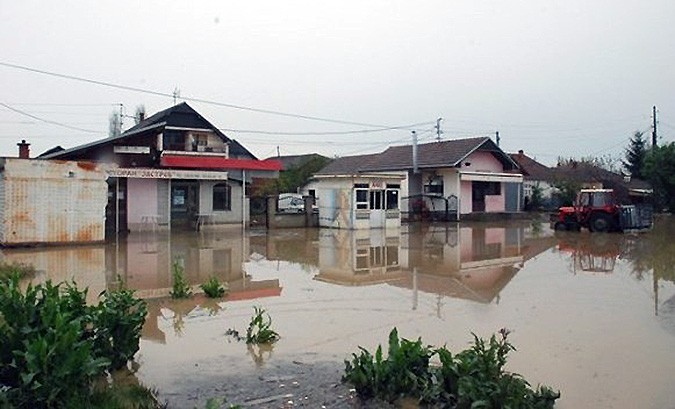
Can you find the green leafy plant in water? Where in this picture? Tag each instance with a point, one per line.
(213, 288)
(473, 378)
(181, 288)
(54, 345)
(118, 321)
(260, 328)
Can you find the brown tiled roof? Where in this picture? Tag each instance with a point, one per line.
(430, 155)
(531, 169)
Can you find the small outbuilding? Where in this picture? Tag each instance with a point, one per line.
(51, 202)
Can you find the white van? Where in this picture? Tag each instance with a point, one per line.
(290, 203)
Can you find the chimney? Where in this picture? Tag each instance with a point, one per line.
(141, 116)
(521, 153)
(24, 149)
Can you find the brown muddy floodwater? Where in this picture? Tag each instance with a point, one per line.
(592, 314)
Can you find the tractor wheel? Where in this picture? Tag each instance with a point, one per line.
(601, 223)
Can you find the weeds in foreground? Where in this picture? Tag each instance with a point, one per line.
(181, 288)
(54, 346)
(473, 378)
(260, 328)
(213, 288)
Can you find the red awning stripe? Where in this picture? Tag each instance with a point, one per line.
(216, 162)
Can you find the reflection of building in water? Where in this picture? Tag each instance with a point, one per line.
(292, 245)
(84, 265)
(359, 257)
(474, 263)
(145, 263)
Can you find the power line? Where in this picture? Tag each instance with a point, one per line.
(357, 131)
(47, 120)
(193, 99)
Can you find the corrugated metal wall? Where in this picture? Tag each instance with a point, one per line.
(52, 202)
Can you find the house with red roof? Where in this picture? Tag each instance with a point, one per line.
(173, 170)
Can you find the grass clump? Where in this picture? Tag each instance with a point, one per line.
(473, 378)
(213, 288)
(180, 288)
(260, 328)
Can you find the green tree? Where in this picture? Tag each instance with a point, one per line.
(660, 172)
(635, 155)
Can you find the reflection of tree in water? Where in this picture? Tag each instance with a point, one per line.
(654, 251)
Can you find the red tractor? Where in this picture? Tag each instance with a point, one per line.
(599, 211)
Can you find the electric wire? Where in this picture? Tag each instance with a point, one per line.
(194, 99)
(48, 121)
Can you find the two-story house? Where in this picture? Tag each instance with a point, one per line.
(173, 170)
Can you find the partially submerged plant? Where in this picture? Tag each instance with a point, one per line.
(181, 288)
(213, 288)
(470, 379)
(8, 270)
(260, 328)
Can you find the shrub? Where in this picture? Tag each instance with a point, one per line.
(181, 288)
(260, 328)
(54, 345)
(473, 378)
(212, 288)
(46, 359)
(117, 323)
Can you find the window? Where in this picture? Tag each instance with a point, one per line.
(435, 186)
(392, 199)
(222, 197)
(376, 200)
(362, 198)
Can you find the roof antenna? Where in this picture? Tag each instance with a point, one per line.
(176, 94)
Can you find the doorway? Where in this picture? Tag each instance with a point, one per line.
(184, 204)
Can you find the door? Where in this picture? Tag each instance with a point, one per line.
(116, 208)
(378, 213)
(184, 204)
(478, 196)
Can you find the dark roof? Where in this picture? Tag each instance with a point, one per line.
(181, 115)
(430, 155)
(237, 150)
(51, 151)
(532, 169)
(289, 161)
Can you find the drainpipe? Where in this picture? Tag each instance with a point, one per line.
(243, 199)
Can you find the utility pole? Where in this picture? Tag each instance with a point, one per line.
(176, 95)
(438, 129)
(654, 127)
(121, 118)
(414, 151)
(278, 152)
(497, 137)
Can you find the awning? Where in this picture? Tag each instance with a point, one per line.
(218, 162)
(491, 177)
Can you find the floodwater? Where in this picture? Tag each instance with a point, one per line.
(592, 315)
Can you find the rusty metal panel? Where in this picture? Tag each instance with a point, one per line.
(52, 202)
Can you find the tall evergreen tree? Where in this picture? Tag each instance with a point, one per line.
(635, 155)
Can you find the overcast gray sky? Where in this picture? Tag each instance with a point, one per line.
(569, 78)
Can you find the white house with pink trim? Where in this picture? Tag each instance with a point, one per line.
(446, 180)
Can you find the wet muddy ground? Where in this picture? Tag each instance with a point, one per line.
(592, 314)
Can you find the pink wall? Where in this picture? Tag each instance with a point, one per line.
(495, 203)
(465, 197)
(141, 199)
(483, 162)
